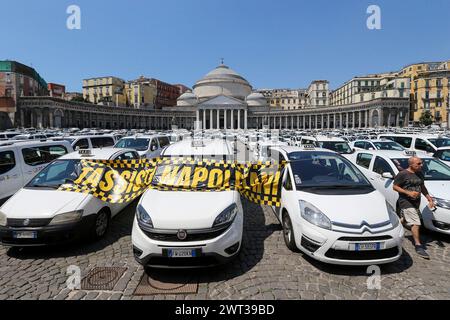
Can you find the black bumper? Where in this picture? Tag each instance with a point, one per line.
(48, 235)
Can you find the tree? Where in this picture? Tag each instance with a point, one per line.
(426, 118)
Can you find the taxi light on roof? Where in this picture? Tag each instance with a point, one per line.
(85, 152)
(197, 143)
(410, 153)
(309, 147)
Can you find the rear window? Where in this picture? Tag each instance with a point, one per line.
(7, 161)
(102, 142)
(44, 154)
(81, 144)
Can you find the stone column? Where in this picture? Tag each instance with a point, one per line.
(334, 121)
(204, 119)
(50, 119)
(245, 120)
(211, 124)
(218, 119)
(317, 122)
(359, 119)
(310, 122)
(239, 119)
(366, 122)
(298, 122)
(39, 118)
(225, 119)
(197, 115)
(232, 119)
(304, 122)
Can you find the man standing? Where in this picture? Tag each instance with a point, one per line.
(410, 184)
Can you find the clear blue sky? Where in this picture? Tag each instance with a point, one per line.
(284, 43)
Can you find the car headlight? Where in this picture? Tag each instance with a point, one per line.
(3, 219)
(392, 215)
(442, 203)
(67, 217)
(313, 215)
(143, 216)
(226, 216)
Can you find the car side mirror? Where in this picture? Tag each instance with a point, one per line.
(387, 175)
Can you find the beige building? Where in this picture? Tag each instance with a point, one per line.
(430, 90)
(318, 94)
(141, 93)
(371, 87)
(105, 91)
(286, 99)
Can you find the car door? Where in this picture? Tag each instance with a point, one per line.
(384, 185)
(127, 155)
(153, 151)
(363, 161)
(11, 177)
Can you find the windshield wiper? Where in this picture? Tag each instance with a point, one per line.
(51, 186)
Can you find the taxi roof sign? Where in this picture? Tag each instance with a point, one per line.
(85, 152)
(410, 153)
(197, 143)
(309, 147)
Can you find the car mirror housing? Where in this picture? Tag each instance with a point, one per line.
(387, 175)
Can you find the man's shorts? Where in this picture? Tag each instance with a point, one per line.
(412, 216)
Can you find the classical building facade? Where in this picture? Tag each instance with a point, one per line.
(105, 90)
(430, 90)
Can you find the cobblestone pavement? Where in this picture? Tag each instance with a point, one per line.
(266, 269)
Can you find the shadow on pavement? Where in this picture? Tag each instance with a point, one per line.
(120, 227)
(254, 235)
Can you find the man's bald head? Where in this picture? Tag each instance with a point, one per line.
(415, 164)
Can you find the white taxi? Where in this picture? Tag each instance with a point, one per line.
(332, 213)
(182, 229)
(382, 166)
(40, 214)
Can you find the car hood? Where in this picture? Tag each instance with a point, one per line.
(354, 209)
(33, 203)
(439, 189)
(185, 210)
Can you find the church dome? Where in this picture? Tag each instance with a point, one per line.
(222, 81)
(256, 99)
(187, 99)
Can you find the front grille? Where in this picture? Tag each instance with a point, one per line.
(362, 255)
(32, 223)
(192, 235)
(365, 238)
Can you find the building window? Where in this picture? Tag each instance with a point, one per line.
(438, 83)
(427, 83)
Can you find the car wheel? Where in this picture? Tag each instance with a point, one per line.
(101, 224)
(288, 233)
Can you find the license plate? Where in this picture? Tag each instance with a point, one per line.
(181, 253)
(24, 234)
(367, 246)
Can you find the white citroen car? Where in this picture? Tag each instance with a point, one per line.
(332, 213)
(39, 214)
(193, 228)
(382, 166)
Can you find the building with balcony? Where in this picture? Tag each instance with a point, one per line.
(108, 91)
(430, 90)
(318, 94)
(141, 93)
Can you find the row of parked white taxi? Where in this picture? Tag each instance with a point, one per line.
(336, 209)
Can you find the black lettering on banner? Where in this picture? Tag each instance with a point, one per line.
(123, 181)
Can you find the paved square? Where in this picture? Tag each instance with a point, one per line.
(266, 269)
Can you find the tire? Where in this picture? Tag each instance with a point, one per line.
(288, 232)
(101, 224)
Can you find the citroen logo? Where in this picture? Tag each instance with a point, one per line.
(26, 222)
(182, 234)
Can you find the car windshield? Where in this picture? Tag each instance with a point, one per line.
(321, 169)
(441, 142)
(338, 146)
(388, 145)
(433, 170)
(56, 173)
(139, 144)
